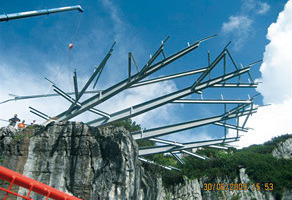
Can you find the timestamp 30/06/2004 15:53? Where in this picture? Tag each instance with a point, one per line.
(238, 186)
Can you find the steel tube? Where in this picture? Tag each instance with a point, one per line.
(156, 132)
(193, 154)
(7, 17)
(110, 92)
(170, 148)
(212, 101)
(165, 78)
(149, 105)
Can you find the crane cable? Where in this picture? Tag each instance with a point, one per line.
(65, 58)
(69, 50)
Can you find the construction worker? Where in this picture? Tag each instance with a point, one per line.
(13, 121)
(21, 125)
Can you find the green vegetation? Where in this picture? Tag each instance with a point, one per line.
(236, 197)
(258, 161)
(128, 124)
(34, 126)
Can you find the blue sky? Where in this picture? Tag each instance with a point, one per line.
(34, 48)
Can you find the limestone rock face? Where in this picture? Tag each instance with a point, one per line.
(87, 162)
(194, 189)
(284, 150)
(190, 189)
(102, 163)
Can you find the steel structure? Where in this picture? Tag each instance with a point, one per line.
(149, 68)
(204, 81)
(136, 80)
(153, 163)
(191, 145)
(166, 130)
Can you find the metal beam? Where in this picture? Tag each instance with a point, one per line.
(194, 154)
(225, 128)
(231, 59)
(134, 61)
(129, 66)
(17, 98)
(231, 126)
(173, 76)
(155, 132)
(75, 84)
(236, 109)
(149, 105)
(227, 85)
(98, 76)
(212, 101)
(210, 68)
(170, 148)
(218, 147)
(209, 62)
(70, 99)
(152, 59)
(39, 113)
(177, 55)
(154, 163)
(178, 158)
(166, 142)
(110, 92)
(97, 70)
(236, 85)
(7, 17)
(243, 125)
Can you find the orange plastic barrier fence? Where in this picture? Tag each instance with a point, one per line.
(32, 185)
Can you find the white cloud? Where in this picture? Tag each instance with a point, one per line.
(277, 65)
(248, 5)
(31, 82)
(263, 8)
(268, 122)
(258, 7)
(25, 83)
(13, 82)
(276, 86)
(239, 27)
(236, 23)
(131, 97)
(118, 23)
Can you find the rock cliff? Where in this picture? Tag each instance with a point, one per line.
(195, 189)
(283, 150)
(102, 163)
(87, 162)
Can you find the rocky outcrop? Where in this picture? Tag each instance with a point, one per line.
(283, 150)
(87, 162)
(190, 189)
(102, 163)
(195, 189)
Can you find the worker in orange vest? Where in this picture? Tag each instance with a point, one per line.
(21, 125)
